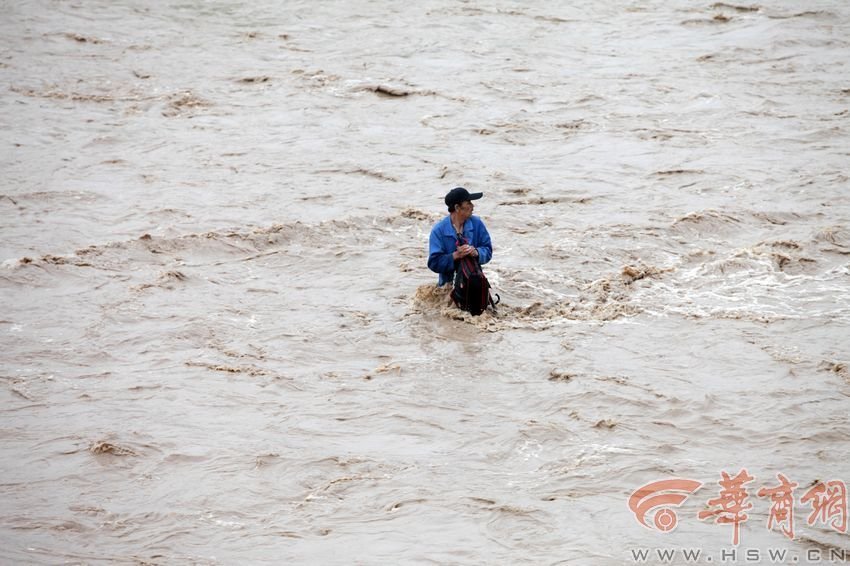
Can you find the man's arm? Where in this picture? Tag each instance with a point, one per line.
(439, 260)
(484, 246)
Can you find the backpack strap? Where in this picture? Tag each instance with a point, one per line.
(496, 302)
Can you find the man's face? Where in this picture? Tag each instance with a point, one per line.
(465, 209)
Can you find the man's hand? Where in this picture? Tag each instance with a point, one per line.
(464, 251)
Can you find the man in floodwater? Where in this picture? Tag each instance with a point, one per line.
(443, 251)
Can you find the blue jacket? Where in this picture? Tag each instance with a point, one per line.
(443, 242)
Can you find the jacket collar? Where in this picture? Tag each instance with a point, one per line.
(449, 230)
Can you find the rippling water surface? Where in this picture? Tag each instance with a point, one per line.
(221, 343)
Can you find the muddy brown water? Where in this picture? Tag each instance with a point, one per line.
(221, 344)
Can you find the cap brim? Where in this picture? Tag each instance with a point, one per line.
(475, 196)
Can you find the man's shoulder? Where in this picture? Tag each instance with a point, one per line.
(476, 221)
(440, 225)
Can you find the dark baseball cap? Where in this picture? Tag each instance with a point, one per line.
(459, 195)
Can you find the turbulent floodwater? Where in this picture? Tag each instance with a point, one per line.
(221, 343)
